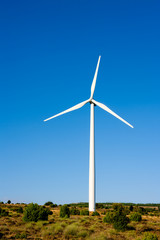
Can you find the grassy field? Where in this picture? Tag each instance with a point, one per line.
(90, 227)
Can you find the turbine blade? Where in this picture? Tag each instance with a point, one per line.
(69, 110)
(110, 111)
(94, 79)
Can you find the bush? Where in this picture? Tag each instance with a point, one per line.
(141, 210)
(82, 234)
(57, 228)
(137, 217)
(117, 207)
(48, 203)
(71, 231)
(3, 212)
(81, 204)
(109, 218)
(103, 213)
(99, 205)
(131, 208)
(51, 204)
(1, 235)
(19, 210)
(120, 221)
(117, 217)
(9, 202)
(84, 212)
(74, 211)
(150, 236)
(95, 213)
(34, 212)
(21, 236)
(64, 211)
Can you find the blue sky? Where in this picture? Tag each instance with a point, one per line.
(48, 55)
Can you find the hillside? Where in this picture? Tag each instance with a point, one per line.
(12, 225)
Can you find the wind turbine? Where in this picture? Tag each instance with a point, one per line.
(93, 103)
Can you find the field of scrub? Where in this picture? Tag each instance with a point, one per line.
(111, 221)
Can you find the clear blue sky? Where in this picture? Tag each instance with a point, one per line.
(48, 55)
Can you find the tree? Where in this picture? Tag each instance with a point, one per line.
(34, 212)
(51, 204)
(117, 217)
(64, 211)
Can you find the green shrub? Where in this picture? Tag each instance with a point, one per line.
(81, 205)
(9, 201)
(57, 228)
(48, 203)
(64, 211)
(43, 213)
(120, 221)
(131, 208)
(137, 217)
(51, 204)
(100, 205)
(118, 207)
(117, 217)
(82, 234)
(3, 212)
(107, 207)
(141, 210)
(95, 213)
(19, 210)
(150, 236)
(71, 230)
(21, 236)
(84, 212)
(74, 211)
(109, 218)
(34, 212)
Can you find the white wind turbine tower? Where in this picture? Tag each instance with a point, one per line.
(92, 145)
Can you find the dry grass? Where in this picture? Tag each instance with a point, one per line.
(76, 227)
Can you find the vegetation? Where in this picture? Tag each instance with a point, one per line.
(74, 211)
(120, 221)
(86, 227)
(131, 208)
(64, 211)
(109, 218)
(51, 204)
(150, 236)
(136, 217)
(84, 212)
(3, 212)
(95, 213)
(19, 210)
(34, 212)
(117, 217)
